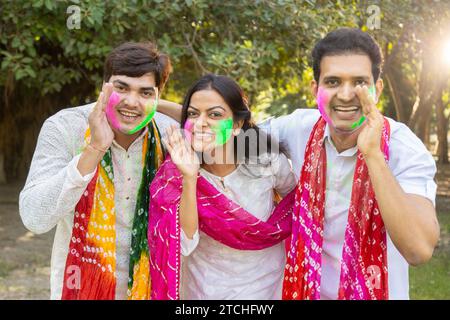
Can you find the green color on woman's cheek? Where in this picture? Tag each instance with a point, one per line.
(223, 131)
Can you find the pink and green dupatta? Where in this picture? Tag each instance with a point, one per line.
(219, 217)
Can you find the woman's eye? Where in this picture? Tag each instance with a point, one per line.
(215, 114)
(191, 114)
(360, 82)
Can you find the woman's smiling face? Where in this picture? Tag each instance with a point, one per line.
(209, 120)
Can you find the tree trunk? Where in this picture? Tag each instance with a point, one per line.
(2, 169)
(22, 121)
(442, 133)
(423, 128)
(399, 109)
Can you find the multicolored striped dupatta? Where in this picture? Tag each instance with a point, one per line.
(219, 217)
(364, 258)
(90, 271)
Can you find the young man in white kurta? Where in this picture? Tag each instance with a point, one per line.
(63, 165)
(410, 163)
(212, 270)
(54, 187)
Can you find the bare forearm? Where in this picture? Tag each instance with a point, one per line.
(188, 207)
(410, 220)
(170, 109)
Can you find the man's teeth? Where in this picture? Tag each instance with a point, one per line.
(128, 114)
(346, 109)
(203, 134)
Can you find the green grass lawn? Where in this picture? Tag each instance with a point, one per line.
(432, 280)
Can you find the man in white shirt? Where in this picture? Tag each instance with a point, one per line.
(63, 165)
(345, 62)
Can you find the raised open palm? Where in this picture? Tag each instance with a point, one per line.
(181, 153)
(369, 138)
(102, 135)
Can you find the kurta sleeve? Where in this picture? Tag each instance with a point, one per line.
(54, 184)
(284, 178)
(412, 164)
(189, 245)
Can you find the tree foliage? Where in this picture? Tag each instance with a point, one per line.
(48, 63)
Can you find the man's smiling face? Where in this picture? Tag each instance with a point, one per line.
(136, 95)
(339, 76)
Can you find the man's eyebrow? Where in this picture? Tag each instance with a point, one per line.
(354, 77)
(121, 83)
(330, 77)
(147, 88)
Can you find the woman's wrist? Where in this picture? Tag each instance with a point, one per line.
(190, 179)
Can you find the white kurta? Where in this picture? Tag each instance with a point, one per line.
(410, 163)
(212, 270)
(54, 187)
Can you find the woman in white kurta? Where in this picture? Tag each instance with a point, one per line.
(210, 269)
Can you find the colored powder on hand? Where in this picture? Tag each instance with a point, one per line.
(373, 94)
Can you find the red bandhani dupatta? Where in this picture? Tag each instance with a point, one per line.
(219, 217)
(364, 258)
(90, 272)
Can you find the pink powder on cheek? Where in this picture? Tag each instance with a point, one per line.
(322, 101)
(114, 100)
(188, 128)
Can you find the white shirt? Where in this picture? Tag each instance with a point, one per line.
(212, 270)
(54, 187)
(410, 163)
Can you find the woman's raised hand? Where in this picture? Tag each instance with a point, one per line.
(181, 153)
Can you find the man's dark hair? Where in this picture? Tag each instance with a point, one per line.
(344, 41)
(134, 59)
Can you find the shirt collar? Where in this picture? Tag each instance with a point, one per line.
(327, 140)
(137, 140)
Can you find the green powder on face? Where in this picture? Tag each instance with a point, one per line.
(373, 94)
(356, 124)
(223, 131)
(150, 110)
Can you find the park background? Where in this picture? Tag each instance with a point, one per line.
(52, 53)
